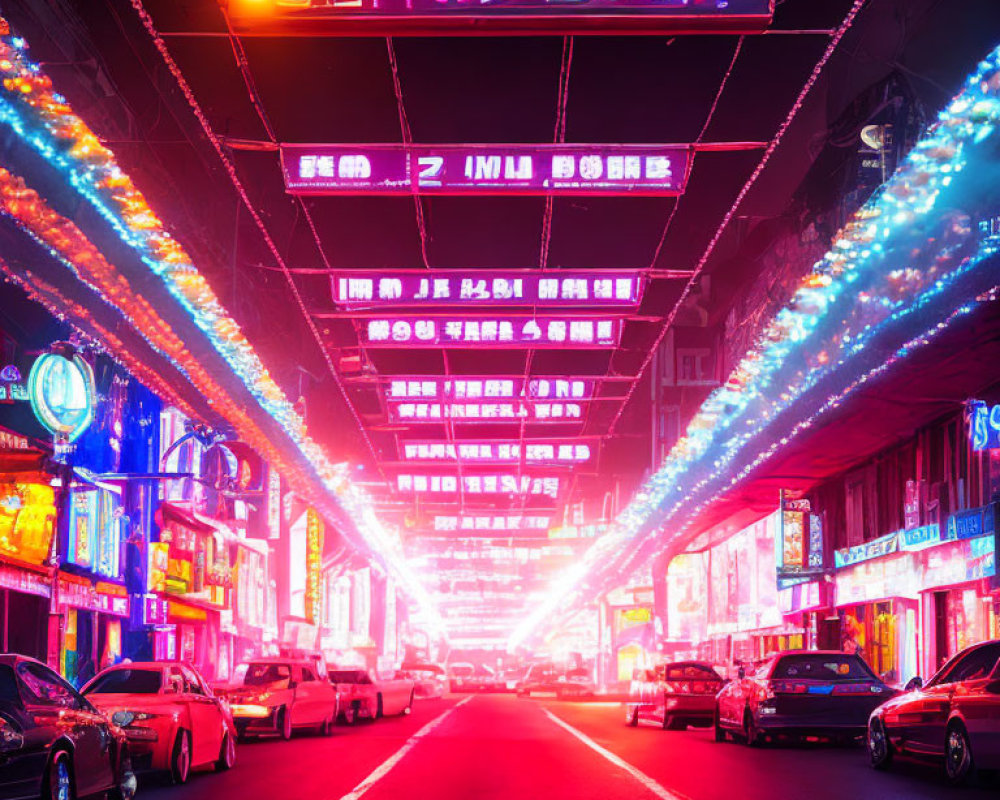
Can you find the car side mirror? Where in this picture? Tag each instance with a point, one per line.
(916, 683)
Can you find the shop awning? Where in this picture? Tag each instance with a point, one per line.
(168, 512)
(20, 461)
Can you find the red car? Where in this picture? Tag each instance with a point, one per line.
(362, 694)
(823, 693)
(674, 695)
(955, 717)
(171, 718)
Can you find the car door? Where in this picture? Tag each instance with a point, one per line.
(313, 696)
(206, 718)
(54, 703)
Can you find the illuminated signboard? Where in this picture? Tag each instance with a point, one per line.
(505, 288)
(314, 558)
(475, 388)
(497, 452)
(62, 394)
(495, 332)
(518, 17)
(984, 426)
(503, 483)
(485, 412)
(486, 169)
(484, 523)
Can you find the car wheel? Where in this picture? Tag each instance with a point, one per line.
(59, 778)
(720, 732)
(879, 749)
(378, 708)
(126, 783)
(350, 713)
(180, 759)
(284, 724)
(751, 733)
(326, 729)
(632, 716)
(409, 707)
(958, 763)
(227, 753)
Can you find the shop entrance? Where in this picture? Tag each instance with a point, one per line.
(25, 623)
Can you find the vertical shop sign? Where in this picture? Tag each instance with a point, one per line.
(314, 558)
(82, 527)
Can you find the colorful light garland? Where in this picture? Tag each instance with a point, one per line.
(903, 250)
(45, 121)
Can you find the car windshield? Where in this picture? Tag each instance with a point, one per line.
(349, 676)
(696, 672)
(126, 681)
(8, 686)
(823, 667)
(264, 674)
(973, 664)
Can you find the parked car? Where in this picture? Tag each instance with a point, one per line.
(53, 742)
(171, 718)
(279, 695)
(546, 680)
(429, 680)
(954, 718)
(365, 695)
(674, 695)
(462, 677)
(801, 693)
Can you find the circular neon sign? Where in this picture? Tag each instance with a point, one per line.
(61, 391)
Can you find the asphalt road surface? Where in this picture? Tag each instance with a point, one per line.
(499, 747)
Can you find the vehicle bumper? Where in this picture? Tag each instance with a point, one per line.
(695, 708)
(807, 726)
(253, 725)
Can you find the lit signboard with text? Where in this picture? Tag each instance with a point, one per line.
(489, 388)
(364, 289)
(494, 332)
(485, 169)
(510, 17)
(547, 453)
(486, 523)
(503, 483)
(984, 425)
(495, 411)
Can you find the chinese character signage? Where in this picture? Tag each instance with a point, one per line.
(512, 17)
(472, 524)
(548, 453)
(533, 169)
(494, 332)
(486, 412)
(504, 483)
(490, 388)
(984, 425)
(314, 559)
(362, 289)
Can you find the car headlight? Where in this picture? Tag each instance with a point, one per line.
(250, 710)
(125, 718)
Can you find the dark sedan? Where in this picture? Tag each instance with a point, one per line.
(53, 742)
(955, 718)
(801, 693)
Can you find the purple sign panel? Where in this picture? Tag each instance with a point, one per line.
(365, 289)
(492, 387)
(569, 452)
(534, 169)
(495, 332)
(410, 411)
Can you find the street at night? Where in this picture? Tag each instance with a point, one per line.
(499, 399)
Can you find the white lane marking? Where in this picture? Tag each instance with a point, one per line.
(654, 786)
(382, 769)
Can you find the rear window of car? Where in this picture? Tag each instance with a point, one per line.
(8, 686)
(263, 674)
(127, 681)
(690, 672)
(349, 676)
(822, 667)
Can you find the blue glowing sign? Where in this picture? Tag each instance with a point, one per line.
(61, 391)
(984, 426)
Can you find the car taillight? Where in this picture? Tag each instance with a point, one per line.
(788, 687)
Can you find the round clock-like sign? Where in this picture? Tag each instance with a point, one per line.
(62, 392)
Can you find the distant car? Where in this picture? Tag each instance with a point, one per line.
(546, 680)
(365, 695)
(279, 695)
(53, 742)
(429, 680)
(819, 693)
(462, 677)
(954, 718)
(674, 695)
(172, 719)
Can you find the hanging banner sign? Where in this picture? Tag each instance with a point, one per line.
(481, 452)
(492, 387)
(984, 425)
(364, 289)
(491, 523)
(511, 17)
(505, 483)
(494, 332)
(485, 169)
(485, 412)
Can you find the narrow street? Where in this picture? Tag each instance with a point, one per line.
(500, 746)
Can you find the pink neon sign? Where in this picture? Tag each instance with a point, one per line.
(501, 483)
(489, 388)
(501, 411)
(364, 289)
(565, 169)
(534, 452)
(542, 332)
(484, 523)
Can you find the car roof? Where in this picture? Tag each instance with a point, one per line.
(10, 659)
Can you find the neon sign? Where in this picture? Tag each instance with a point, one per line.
(490, 169)
(503, 483)
(541, 332)
(497, 452)
(489, 387)
(984, 426)
(485, 412)
(491, 522)
(61, 391)
(438, 287)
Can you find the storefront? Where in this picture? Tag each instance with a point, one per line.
(92, 619)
